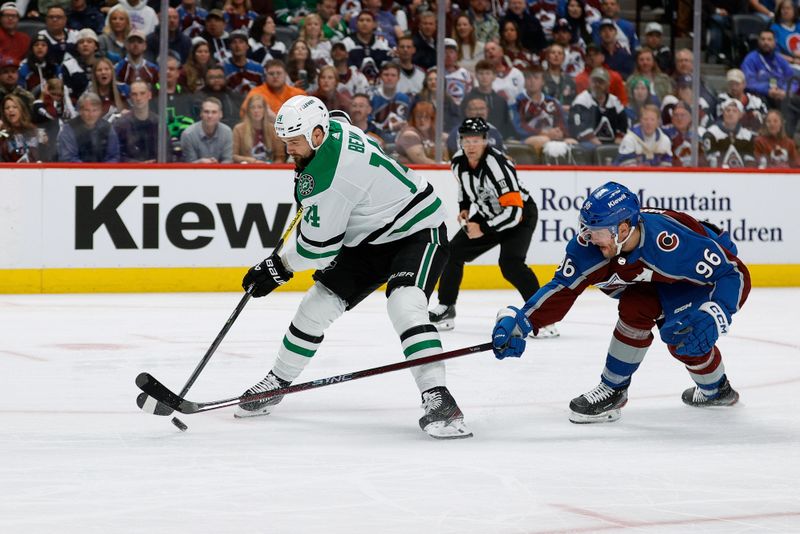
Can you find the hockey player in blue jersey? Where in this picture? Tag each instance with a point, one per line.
(667, 270)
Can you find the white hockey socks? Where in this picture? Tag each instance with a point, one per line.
(318, 309)
(408, 311)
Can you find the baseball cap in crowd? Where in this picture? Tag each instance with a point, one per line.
(238, 34)
(338, 44)
(40, 38)
(735, 75)
(8, 61)
(139, 34)
(87, 33)
(562, 26)
(9, 6)
(731, 102)
(684, 81)
(654, 27)
(599, 73)
(218, 13)
(450, 43)
(607, 22)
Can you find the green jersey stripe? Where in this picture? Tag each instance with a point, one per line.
(422, 276)
(432, 207)
(418, 199)
(315, 256)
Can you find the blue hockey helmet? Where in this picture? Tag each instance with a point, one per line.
(608, 206)
(601, 214)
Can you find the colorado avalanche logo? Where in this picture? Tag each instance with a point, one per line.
(457, 89)
(779, 156)
(305, 185)
(793, 43)
(667, 242)
(683, 152)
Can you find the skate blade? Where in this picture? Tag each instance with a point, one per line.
(546, 332)
(455, 429)
(445, 325)
(241, 413)
(713, 404)
(605, 417)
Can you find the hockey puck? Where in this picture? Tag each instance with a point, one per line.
(180, 425)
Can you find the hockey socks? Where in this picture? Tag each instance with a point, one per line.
(319, 308)
(625, 353)
(408, 312)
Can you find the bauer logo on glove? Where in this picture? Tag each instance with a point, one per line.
(266, 276)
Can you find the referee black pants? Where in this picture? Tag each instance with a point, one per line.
(514, 245)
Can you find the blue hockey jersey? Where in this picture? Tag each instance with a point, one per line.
(674, 248)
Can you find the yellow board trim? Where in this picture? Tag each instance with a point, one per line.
(191, 279)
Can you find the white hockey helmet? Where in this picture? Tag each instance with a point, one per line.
(300, 115)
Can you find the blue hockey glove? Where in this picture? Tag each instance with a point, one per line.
(510, 331)
(266, 276)
(695, 332)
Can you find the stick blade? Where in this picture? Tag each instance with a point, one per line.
(158, 391)
(148, 404)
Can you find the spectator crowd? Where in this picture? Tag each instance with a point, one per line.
(566, 81)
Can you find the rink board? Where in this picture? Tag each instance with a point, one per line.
(153, 228)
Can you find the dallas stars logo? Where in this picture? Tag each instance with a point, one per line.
(305, 185)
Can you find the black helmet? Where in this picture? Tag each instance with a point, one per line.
(473, 126)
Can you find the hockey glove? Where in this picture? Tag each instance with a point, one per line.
(510, 331)
(266, 276)
(695, 332)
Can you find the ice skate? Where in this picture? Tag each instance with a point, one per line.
(443, 418)
(546, 332)
(725, 396)
(600, 405)
(443, 317)
(264, 406)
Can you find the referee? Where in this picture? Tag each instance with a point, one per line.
(504, 214)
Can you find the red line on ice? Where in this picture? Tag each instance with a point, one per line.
(617, 523)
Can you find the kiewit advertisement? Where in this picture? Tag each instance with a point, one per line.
(156, 218)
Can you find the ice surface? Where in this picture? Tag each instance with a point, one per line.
(77, 455)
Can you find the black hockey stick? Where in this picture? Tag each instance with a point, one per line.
(159, 391)
(151, 405)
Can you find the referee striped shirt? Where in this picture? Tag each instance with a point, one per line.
(492, 187)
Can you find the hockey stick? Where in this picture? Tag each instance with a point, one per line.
(151, 405)
(159, 391)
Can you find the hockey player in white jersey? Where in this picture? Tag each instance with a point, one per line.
(367, 220)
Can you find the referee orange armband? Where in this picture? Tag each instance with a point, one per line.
(514, 198)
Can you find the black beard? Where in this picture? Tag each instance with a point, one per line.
(302, 163)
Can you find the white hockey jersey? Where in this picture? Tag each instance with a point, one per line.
(353, 193)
